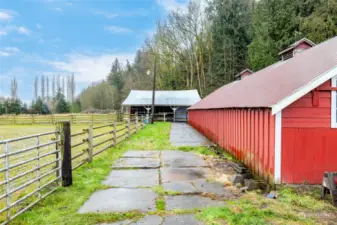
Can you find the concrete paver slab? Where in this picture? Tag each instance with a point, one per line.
(141, 154)
(181, 220)
(124, 222)
(182, 174)
(183, 134)
(182, 159)
(141, 163)
(133, 178)
(215, 188)
(149, 220)
(180, 186)
(120, 200)
(189, 202)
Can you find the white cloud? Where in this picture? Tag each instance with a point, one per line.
(57, 9)
(117, 30)
(87, 68)
(6, 15)
(107, 15)
(23, 30)
(12, 28)
(172, 5)
(110, 15)
(8, 51)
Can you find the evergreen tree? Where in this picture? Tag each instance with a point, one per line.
(61, 105)
(40, 107)
(230, 24)
(116, 79)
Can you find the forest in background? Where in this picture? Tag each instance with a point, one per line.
(205, 45)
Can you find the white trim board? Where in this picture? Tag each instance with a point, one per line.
(319, 80)
(334, 103)
(278, 148)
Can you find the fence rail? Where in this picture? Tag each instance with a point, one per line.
(30, 173)
(78, 118)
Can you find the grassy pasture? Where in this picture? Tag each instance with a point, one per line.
(14, 131)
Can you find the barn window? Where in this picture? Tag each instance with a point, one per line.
(334, 103)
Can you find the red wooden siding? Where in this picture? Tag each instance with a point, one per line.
(309, 144)
(246, 134)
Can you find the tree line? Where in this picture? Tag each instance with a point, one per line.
(205, 47)
(59, 99)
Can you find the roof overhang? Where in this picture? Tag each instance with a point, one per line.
(319, 80)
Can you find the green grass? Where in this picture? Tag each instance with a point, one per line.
(12, 131)
(160, 204)
(253, 208)
(161, 191)
(61, 207)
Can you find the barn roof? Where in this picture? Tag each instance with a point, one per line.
(163, 98)
(280, 84)
(297, 43)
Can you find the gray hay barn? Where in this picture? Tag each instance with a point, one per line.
(169, 105)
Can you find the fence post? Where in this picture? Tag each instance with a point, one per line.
(136, 123)
(129, 127)
(115, 133)
(92, 119)
(90, 143)
(67, 177)
(142, 121)
(57, 155)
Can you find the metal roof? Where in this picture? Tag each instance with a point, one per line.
(163, 98)
(294, 45)
(280, 81)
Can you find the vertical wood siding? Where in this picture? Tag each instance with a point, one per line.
(309, 144)
(247, 134)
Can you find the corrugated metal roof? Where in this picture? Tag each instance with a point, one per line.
(269, 86)
(173, 98)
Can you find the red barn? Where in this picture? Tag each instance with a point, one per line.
(280, 121)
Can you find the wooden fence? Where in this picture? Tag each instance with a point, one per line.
(76, 118)
(33, 172)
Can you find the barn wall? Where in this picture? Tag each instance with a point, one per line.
(249, 135)
(309, 144)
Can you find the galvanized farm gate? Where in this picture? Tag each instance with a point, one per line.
(33, 167)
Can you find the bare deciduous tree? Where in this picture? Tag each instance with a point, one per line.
(14, 89)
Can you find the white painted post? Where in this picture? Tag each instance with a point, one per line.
(278, 148)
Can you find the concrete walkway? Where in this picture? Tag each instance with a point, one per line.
(135, 175)
(183, 134)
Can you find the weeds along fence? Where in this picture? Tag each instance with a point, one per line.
(76, 118)
(33, 167)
